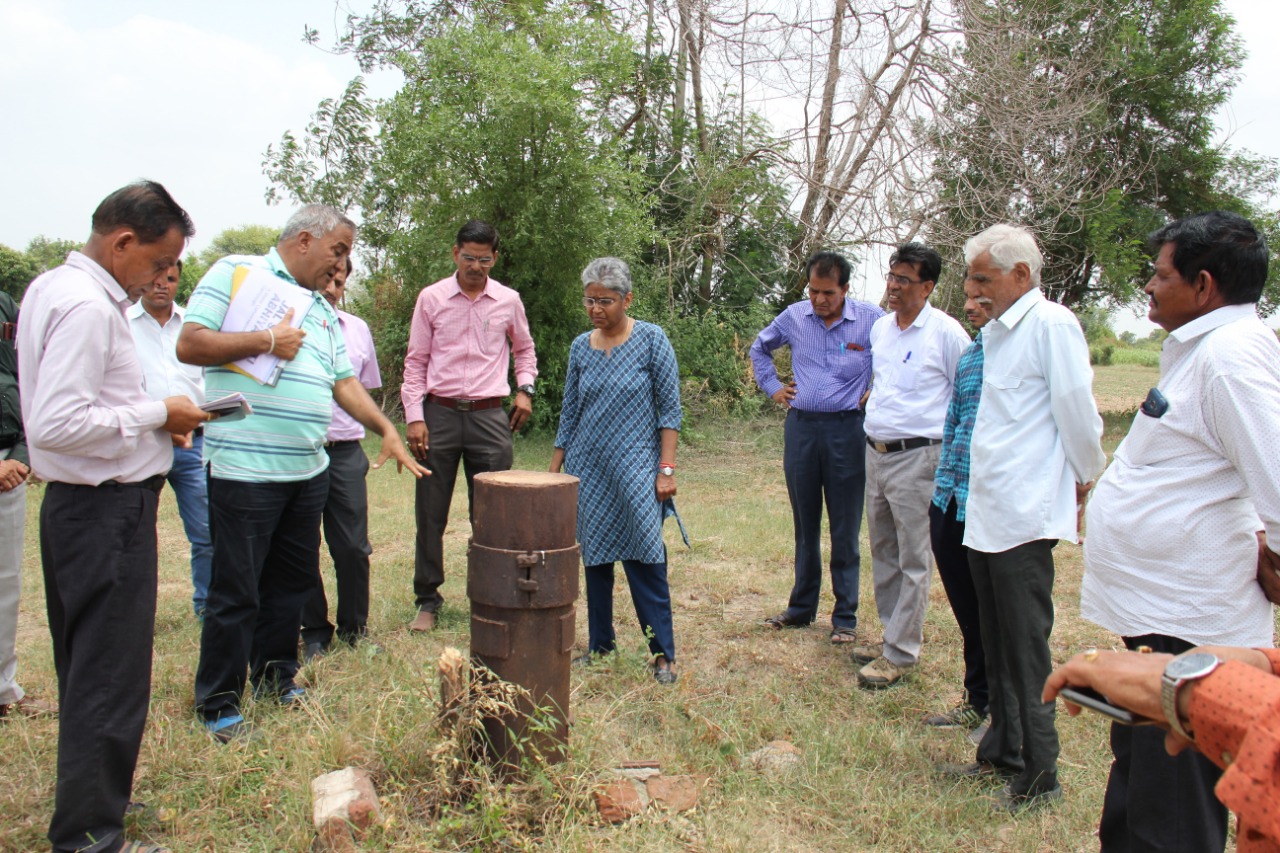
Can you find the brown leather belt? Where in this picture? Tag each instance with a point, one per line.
(465, 405)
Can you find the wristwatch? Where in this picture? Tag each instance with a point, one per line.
(666, 470)
(528, 389)
(1191, 666)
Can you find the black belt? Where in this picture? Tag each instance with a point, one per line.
(901, 444)
(342, 441)
(804, 415)
(152, 484)
(465, 405)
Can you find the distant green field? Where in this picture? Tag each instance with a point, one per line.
(1121, 387)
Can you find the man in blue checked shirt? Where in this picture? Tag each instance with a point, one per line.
(946, 529)
(824, 446)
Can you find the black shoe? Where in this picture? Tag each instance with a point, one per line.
(662, 672)
(975, 770)
(1007, 801)
(311, 651)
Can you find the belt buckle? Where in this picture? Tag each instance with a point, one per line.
(880, 446)
(465, 405)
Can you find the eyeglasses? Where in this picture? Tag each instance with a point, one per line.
(900, 280)
(471, 259)
(591, 302)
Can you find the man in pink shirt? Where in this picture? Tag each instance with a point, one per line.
(346, 510)
(465, 330)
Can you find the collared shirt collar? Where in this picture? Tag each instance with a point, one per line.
(923, 316)
(109, 284)
(848, 314)
(137, 309)
(457, 288)
(1206, 323)
(278, 266)
(1019, 309)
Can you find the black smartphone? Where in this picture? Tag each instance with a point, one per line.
(1155, 405)
(1095, 701)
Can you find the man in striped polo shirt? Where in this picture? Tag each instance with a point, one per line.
(268, 473)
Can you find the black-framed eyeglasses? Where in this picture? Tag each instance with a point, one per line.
(603, 302)
(472, 259)
(901, 280)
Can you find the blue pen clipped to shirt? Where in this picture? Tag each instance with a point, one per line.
(908, 358)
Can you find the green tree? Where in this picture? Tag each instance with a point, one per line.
(241, 240)
(502, 117)
(47, 253)
(16, 271)
(1091, 122)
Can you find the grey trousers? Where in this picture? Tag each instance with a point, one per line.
(13, 516)
(1015, 607)
(899, 488)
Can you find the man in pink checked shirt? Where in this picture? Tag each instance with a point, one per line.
(465, 330)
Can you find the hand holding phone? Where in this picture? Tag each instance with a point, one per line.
(1096, 702)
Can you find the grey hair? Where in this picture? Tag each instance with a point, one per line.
(317, 220)
(612, 273)
(1009, 245)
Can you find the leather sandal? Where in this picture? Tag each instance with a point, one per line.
(843, 636)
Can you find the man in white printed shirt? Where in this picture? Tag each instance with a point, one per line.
(1036, 450)
(156, 321)
(914, 351)
(1173, 558)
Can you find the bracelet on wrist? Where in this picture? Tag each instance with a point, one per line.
(271, 348)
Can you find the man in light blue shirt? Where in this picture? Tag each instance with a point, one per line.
(824, 443)
(268, 473)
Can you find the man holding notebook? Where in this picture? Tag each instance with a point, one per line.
(268, 476)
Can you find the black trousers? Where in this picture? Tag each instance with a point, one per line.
(346, 530)
(1015, 607)
(98, 551)
(266, 558)
(824, 460)
(1156, 802)
(482, 442)
(947, 537)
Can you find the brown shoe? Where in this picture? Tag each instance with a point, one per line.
(881, 673)
(424, 621)
(865, 654)
(29, 706)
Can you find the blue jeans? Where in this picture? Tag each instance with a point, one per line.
(188, 481)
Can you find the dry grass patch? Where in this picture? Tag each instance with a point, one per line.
(864, 783)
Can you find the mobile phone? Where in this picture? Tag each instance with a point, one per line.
(1095, 701)
(1155, 405)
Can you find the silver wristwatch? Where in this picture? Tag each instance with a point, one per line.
(1191, 666)
(528, 389)
(666, 471)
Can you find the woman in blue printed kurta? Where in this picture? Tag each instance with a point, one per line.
(618, 431)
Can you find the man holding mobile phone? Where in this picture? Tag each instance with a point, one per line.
(1175, 558)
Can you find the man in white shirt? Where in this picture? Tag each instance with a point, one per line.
(914, 351)
(102, 446)
(1173, 553)
(155, 321)
(1036, 450)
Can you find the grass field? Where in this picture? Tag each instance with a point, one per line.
(865, 782)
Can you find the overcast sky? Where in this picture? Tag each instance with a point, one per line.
(191, 93)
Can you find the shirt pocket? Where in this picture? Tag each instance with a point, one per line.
(1005, 395)
(908, 376)
(848, 364)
